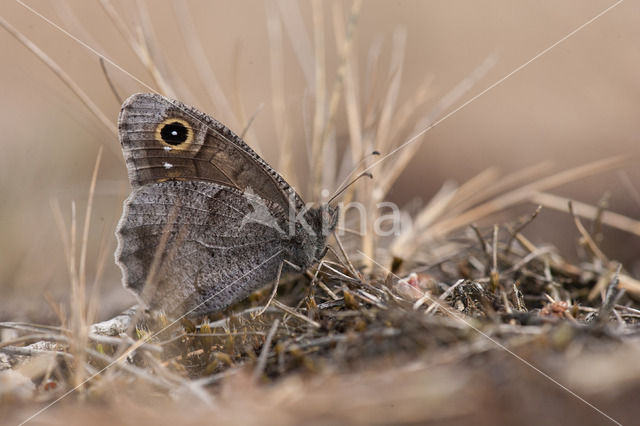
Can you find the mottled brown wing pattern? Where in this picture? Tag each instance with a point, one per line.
(164, 139)
(208, 220)
(204, 256)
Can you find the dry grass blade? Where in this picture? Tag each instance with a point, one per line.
(527, 192)
(62, 75)
(87, 222)
(405, 152)
(111, 84)
(501, 184)
(478, 295)
(62, 228)
(587, 211)
(136, 39)
(521, 226)
(293, 313)
(344, 41)
(630, 187)
(587, 237)
(66, 12)
(119, 23)
(200, 60)
(294, 26)
(371, 80)
(354, 114)
(320, 100)
(170, 83)
(281, 119)
(396, 63)
(238, 105)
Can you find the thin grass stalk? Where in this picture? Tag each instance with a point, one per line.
(66, 13)
(294, 25)
(62, 229)
(173, 86)
(587, 211)
(405, 153)
(524, 193)
(135, 38)
(62, 75)
(87, 222)
(281, 120)
(501, 185)
(409, 107)
(349, 77)
(354, 118)
(236, 97)
(78, 337)
(105, 251)
(320, 93)
(633, 192)
(344, 45)
(372, 72)
(247, 133)
(193, 44)
(382, 141)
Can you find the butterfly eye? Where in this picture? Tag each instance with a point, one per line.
(174, 132)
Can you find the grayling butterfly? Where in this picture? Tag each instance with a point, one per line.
(208, 221)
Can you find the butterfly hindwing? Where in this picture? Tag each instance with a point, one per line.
(186, 246)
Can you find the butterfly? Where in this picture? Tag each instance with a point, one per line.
(208, 221)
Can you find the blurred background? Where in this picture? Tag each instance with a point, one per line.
(577, 103)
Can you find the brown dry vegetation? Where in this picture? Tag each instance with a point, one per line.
(487, 310)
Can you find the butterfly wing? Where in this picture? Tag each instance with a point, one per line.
(194, 247)
(164, 139)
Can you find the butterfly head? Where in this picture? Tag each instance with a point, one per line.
(312, 231)
(328, 219)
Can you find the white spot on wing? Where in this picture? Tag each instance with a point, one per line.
(167, 148)
(167, 165)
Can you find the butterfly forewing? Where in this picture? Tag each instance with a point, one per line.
(165, 139)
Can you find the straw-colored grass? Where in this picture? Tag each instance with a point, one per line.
(444, 322)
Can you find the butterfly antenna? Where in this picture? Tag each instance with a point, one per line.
(354, 170)
(361, 175)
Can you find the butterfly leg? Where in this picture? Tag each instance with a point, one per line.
(293, 266)
(275, 289)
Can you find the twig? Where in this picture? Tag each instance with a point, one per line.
(612, 296)
(483, 243)
(528, 258)
(293, 313)
(584, 210)
(519, 228)
(587, 238)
